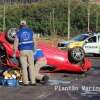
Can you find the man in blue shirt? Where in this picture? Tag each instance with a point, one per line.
(24, 41)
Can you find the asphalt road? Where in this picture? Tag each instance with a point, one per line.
(61, 86)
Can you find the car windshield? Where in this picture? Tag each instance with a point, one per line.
(80, 37)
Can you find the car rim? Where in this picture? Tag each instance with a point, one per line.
(12, 35)
(78, 54)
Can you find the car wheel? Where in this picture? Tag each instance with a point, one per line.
(76, 55)
(10, 35)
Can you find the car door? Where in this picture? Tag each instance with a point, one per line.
(91, 45)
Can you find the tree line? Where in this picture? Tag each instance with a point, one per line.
(50, 16)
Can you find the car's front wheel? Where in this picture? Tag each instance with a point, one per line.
(10, 35)
(76, 55)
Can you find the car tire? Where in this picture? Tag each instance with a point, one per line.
(76, 55)
(10, 35)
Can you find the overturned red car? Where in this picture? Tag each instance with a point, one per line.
(71, 60)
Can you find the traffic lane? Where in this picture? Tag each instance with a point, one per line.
(86, 85)
(82, 86)
(62, 80)
(95, 62)
(25, 92)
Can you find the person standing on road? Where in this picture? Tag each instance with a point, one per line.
(24, 41)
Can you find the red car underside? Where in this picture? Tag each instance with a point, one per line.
(55, 57)
(59, 59)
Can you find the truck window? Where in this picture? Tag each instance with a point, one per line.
(92, 39)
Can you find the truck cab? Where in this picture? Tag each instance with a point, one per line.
(92, 44)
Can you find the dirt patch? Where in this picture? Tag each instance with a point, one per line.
(53, 41)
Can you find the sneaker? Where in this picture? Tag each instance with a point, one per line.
(24, 84)
(45, 79)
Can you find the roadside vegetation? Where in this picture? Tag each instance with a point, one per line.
(49, 17)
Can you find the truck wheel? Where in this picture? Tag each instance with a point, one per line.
(76, 55)
(10, 35)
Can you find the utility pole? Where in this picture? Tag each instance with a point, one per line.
(68, 19)
(97, 20)
(53, 20)
(88, 13)
(50, 24)
(88, 16)
(4, 10)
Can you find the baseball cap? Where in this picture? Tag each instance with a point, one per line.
(23, 22)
